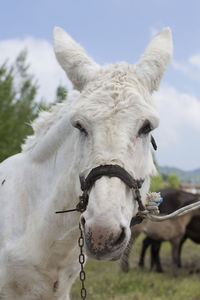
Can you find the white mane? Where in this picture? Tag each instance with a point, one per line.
(46, 120)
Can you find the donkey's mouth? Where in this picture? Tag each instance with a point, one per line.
(105, 249)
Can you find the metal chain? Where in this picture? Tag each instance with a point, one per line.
(82, 261)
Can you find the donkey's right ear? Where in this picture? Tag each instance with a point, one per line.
(73, 59)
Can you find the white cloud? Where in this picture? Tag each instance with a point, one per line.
(195, 60)
(180, 66)
(179, 128)
(183, 109)
(190, 68)
(42, 63)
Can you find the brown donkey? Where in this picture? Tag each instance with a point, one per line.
(172, 230)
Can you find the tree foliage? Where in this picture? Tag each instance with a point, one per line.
(161, 181)
(173, 180)
(61, 93)
(156, 183)
(18, 108)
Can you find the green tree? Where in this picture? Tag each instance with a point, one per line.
(173, 180)
(17, 106)
(61, 93)
(156, 183)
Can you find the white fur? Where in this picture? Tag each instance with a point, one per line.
(39, 247)
(155, 60)
(73, 59)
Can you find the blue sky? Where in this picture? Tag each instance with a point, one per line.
(115, 30)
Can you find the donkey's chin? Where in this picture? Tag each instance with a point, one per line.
(101, 255)
(105, 253)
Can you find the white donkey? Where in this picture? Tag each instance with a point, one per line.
(106, 122)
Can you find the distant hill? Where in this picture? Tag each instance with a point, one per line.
(184, 176)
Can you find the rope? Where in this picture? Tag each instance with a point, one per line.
(151, 209)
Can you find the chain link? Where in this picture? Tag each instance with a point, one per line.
(82, 261)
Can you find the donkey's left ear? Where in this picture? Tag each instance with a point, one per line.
(155, 60)
(79, 67)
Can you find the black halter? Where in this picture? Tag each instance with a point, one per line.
(109, 171)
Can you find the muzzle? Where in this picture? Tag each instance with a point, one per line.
(110, 171)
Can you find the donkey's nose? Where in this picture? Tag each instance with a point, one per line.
(120, 239)
(101, 240)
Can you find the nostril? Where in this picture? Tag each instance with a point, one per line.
(83, 221)
(121, 237)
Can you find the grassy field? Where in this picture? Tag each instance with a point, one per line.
(106, 281)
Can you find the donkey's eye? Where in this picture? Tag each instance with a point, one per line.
(80, 127)
(146, 128)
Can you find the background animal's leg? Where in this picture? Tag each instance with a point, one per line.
(175, 253)
(179, 264)
(124, 262)
(145, 244)
(155, 255)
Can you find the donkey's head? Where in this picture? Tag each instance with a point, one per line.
(114, 115)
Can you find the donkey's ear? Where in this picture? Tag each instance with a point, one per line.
(155, 59)
(73, 59)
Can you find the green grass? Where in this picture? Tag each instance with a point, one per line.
(106, 281)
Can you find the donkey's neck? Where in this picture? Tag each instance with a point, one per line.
(51, 128)
(55, 186)
(54, 234)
